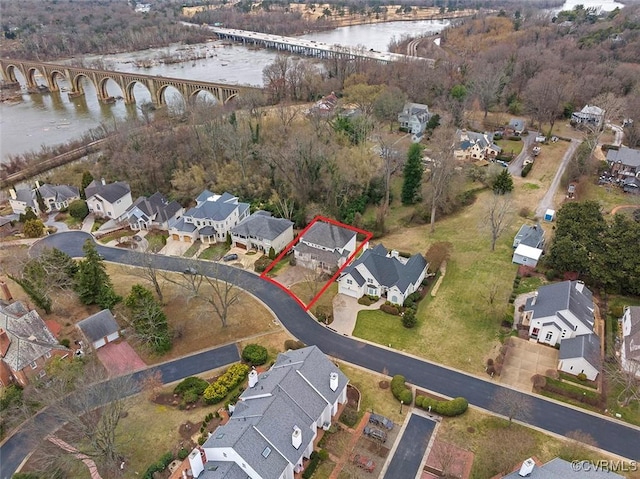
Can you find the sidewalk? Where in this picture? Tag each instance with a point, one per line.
(355, 435)
(87, 224)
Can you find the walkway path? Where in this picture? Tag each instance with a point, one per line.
(353, 440)
(93, 469)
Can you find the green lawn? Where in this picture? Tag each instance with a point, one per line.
(157, 240)
(214, 252)
(382, 328)
(510, 147)
(193, 249)
(529, 284)
(97, 223)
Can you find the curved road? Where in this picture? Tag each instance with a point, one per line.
(610, 435)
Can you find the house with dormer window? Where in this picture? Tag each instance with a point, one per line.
(261, 232)
(471, 145)
(153, 212)
(109, 200)
(325, 246)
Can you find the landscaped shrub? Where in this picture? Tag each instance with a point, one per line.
(349, 417)
(365, 300)
(218, 390)
(409, 318)
(400, 391)
(255, 354)
(582, 377)
(526, 170)
(192, 383)
(314, 460)
(161, 465)
(272, 253)
(551, 274)
(293, 344)
(65, 342)
(183, 454)
(389, 309)
(78, 209)
(261, 264)
(454, 407)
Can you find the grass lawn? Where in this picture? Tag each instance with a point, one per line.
(116, 235)
(157, 240)
(97, 223)
(382, 328)
(70, 221)
(510, 147)
(630, 413)
(214, 252)
(324, 470)
(608, 196)
(529, 284)
(193, 249)
(307, 290)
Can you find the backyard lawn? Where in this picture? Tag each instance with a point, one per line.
(510, 147)
(307, 290)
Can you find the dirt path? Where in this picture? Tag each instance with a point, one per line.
(547, 200)
(621, 207)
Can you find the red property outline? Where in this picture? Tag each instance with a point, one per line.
(306, 307)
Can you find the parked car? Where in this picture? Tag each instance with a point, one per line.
(379, 420)
(190, 271)
(364, 462)
(230, 257)
(375, 433)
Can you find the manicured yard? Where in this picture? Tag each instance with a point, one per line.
(307, 290)
(70, 221)
(382, 328)
(193, 249)
(157, 240)
(214, 252)
(529, 284)
(510, 147)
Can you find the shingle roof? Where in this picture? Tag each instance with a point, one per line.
(216, 207)
(626, 156)
(262, 225)
(59, 192)
(222, 470)
(555, 297)
(29, 335)
(529, 235)
(560, 469)
(328, 257)
(110, 192)
(99, 325)
(632, 340)
(27, 196)
(586, 346)
(328, 235)
(182, 225)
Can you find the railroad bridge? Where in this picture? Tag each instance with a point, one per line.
(156, 85)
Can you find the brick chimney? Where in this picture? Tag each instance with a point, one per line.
(6, 294)
(5, 342)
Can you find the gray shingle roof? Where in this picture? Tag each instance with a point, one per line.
(560, 469)
(586, 346)
(626, 156)
(30, 337)
(222, 470)
(27, 196)
(60, 193)
(530, 236)
(556, 297)
(157, 207)
(328, 235)
(182, 225)
(99, 325)
(632, 340)
(262, 225)
(111, 192)
(328, 257)
(216, 207)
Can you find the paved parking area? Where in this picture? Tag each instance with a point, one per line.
(119, 358)
(525, 359)
(411, 449)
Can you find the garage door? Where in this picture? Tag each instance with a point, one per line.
(241, 246)
(113, 336)
(99, 343)
(187, 239)
(175, 237)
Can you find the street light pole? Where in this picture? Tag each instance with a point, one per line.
(401, 403)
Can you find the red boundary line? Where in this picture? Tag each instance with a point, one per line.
(306, 307)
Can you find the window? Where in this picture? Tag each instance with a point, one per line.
(266, 452)
(33, 365)
(42, 374)
(349, 281)
(548, 336)
(47, 354)
(369, 280)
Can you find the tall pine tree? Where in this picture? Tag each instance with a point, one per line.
(412, 175)
(93, 284)
(149, 320)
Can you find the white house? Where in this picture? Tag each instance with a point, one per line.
(581, 355)
(210, 219)
(100, 328)
(108, 200)
(559, 311)
(261, 232)
(630, 351)
(54, 197)
(414, 118)
(325, 246)
(153, 212)
(378, 272)
(276, 421)
(589, 115)
(526, 255)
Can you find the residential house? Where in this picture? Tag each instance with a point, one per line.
(630, 350)
(261, 232)
(471, 145)
(581, 355)
(559, 311)
(100, 328)
(54, 198)
(325, 246)
(275, 423)
(153, 212)
(6, 226)
(26, 344)
(210, 220)
(631, 185)
(517, 126)
(383, 273)
(414, 118)
(560, 469)
(326, 105)
(108, 200)
(590, 115)
(528, 244)
(624, 162)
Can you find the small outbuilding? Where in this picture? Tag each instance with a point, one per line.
(100, 328)
(526, 255)
(550, 215)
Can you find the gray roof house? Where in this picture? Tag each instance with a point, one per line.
(530, 236)
(517, 125)
(261, 232)
(560, 469)
(630, 350)
(26, 344)
(100, 328)
(589, 115)
(108, 199)
(210, 219)
(153, 212)
(475, 146)
(414, 118)
(624, 162)
(383, 273)
(55, 197)
(325, 246)
(275, 422)
(581, 355)
(558, 311)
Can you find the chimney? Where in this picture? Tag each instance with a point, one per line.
(527, 468)
(195, 462)
(37, 184)
(6, 294)
(579, 286)
(253, 378)
(12, 192)
(333, 381)
(394, 253)
(296, 437)
(103, 182)
(5, 342)
(534, 299)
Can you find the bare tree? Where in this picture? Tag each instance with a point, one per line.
(488, 82)
(545, 96)
(574, 447)
(152, 384)
(445, 455)
(627, 378)
(498, 216)
(147, 268)
(512, 404)
(284, 206)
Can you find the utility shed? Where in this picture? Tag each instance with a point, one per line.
(100, 328)
(526, 255)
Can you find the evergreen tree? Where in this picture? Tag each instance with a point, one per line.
(33, 228)
(40, 201)
(87, 178)
(93, 284)
(412, 174)
(503, 183)
(149, 320)
(28, 214)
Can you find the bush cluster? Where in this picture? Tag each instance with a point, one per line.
(389, 309)
(400, 391)
(161, 465)
(349, 417)
(577, 394)
(314, 462)
(409, 318)
(454, 407)
(262, 263)
(255, 354)
(293, 345)
(526, 170)
(191, 384)
(218, 390)
(365, 300)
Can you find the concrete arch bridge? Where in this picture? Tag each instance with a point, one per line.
(157, 85)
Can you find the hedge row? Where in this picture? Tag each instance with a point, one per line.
(218, 390)
(192, 383)
(454, 407)
(390, 309)
(526, 170)
(400, 391)
(161, 465)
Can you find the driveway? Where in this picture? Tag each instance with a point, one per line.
(58, 225)
(525, 359)
(547, 200)
(515, 167)
(410, 451)
(345, 313)
(174, 248)
(119, 358)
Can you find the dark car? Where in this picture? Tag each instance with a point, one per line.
(375, 433)
(230, 257)
(379, 420)
(190, 271)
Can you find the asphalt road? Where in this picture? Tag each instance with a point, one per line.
(515, 167)
(610, 435)
(411, 448)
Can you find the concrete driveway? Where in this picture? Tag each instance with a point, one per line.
(174, 248)
(525, 359)
(345, 313)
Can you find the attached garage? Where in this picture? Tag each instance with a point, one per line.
(175, 237)
(187, 239)
(100, 328)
